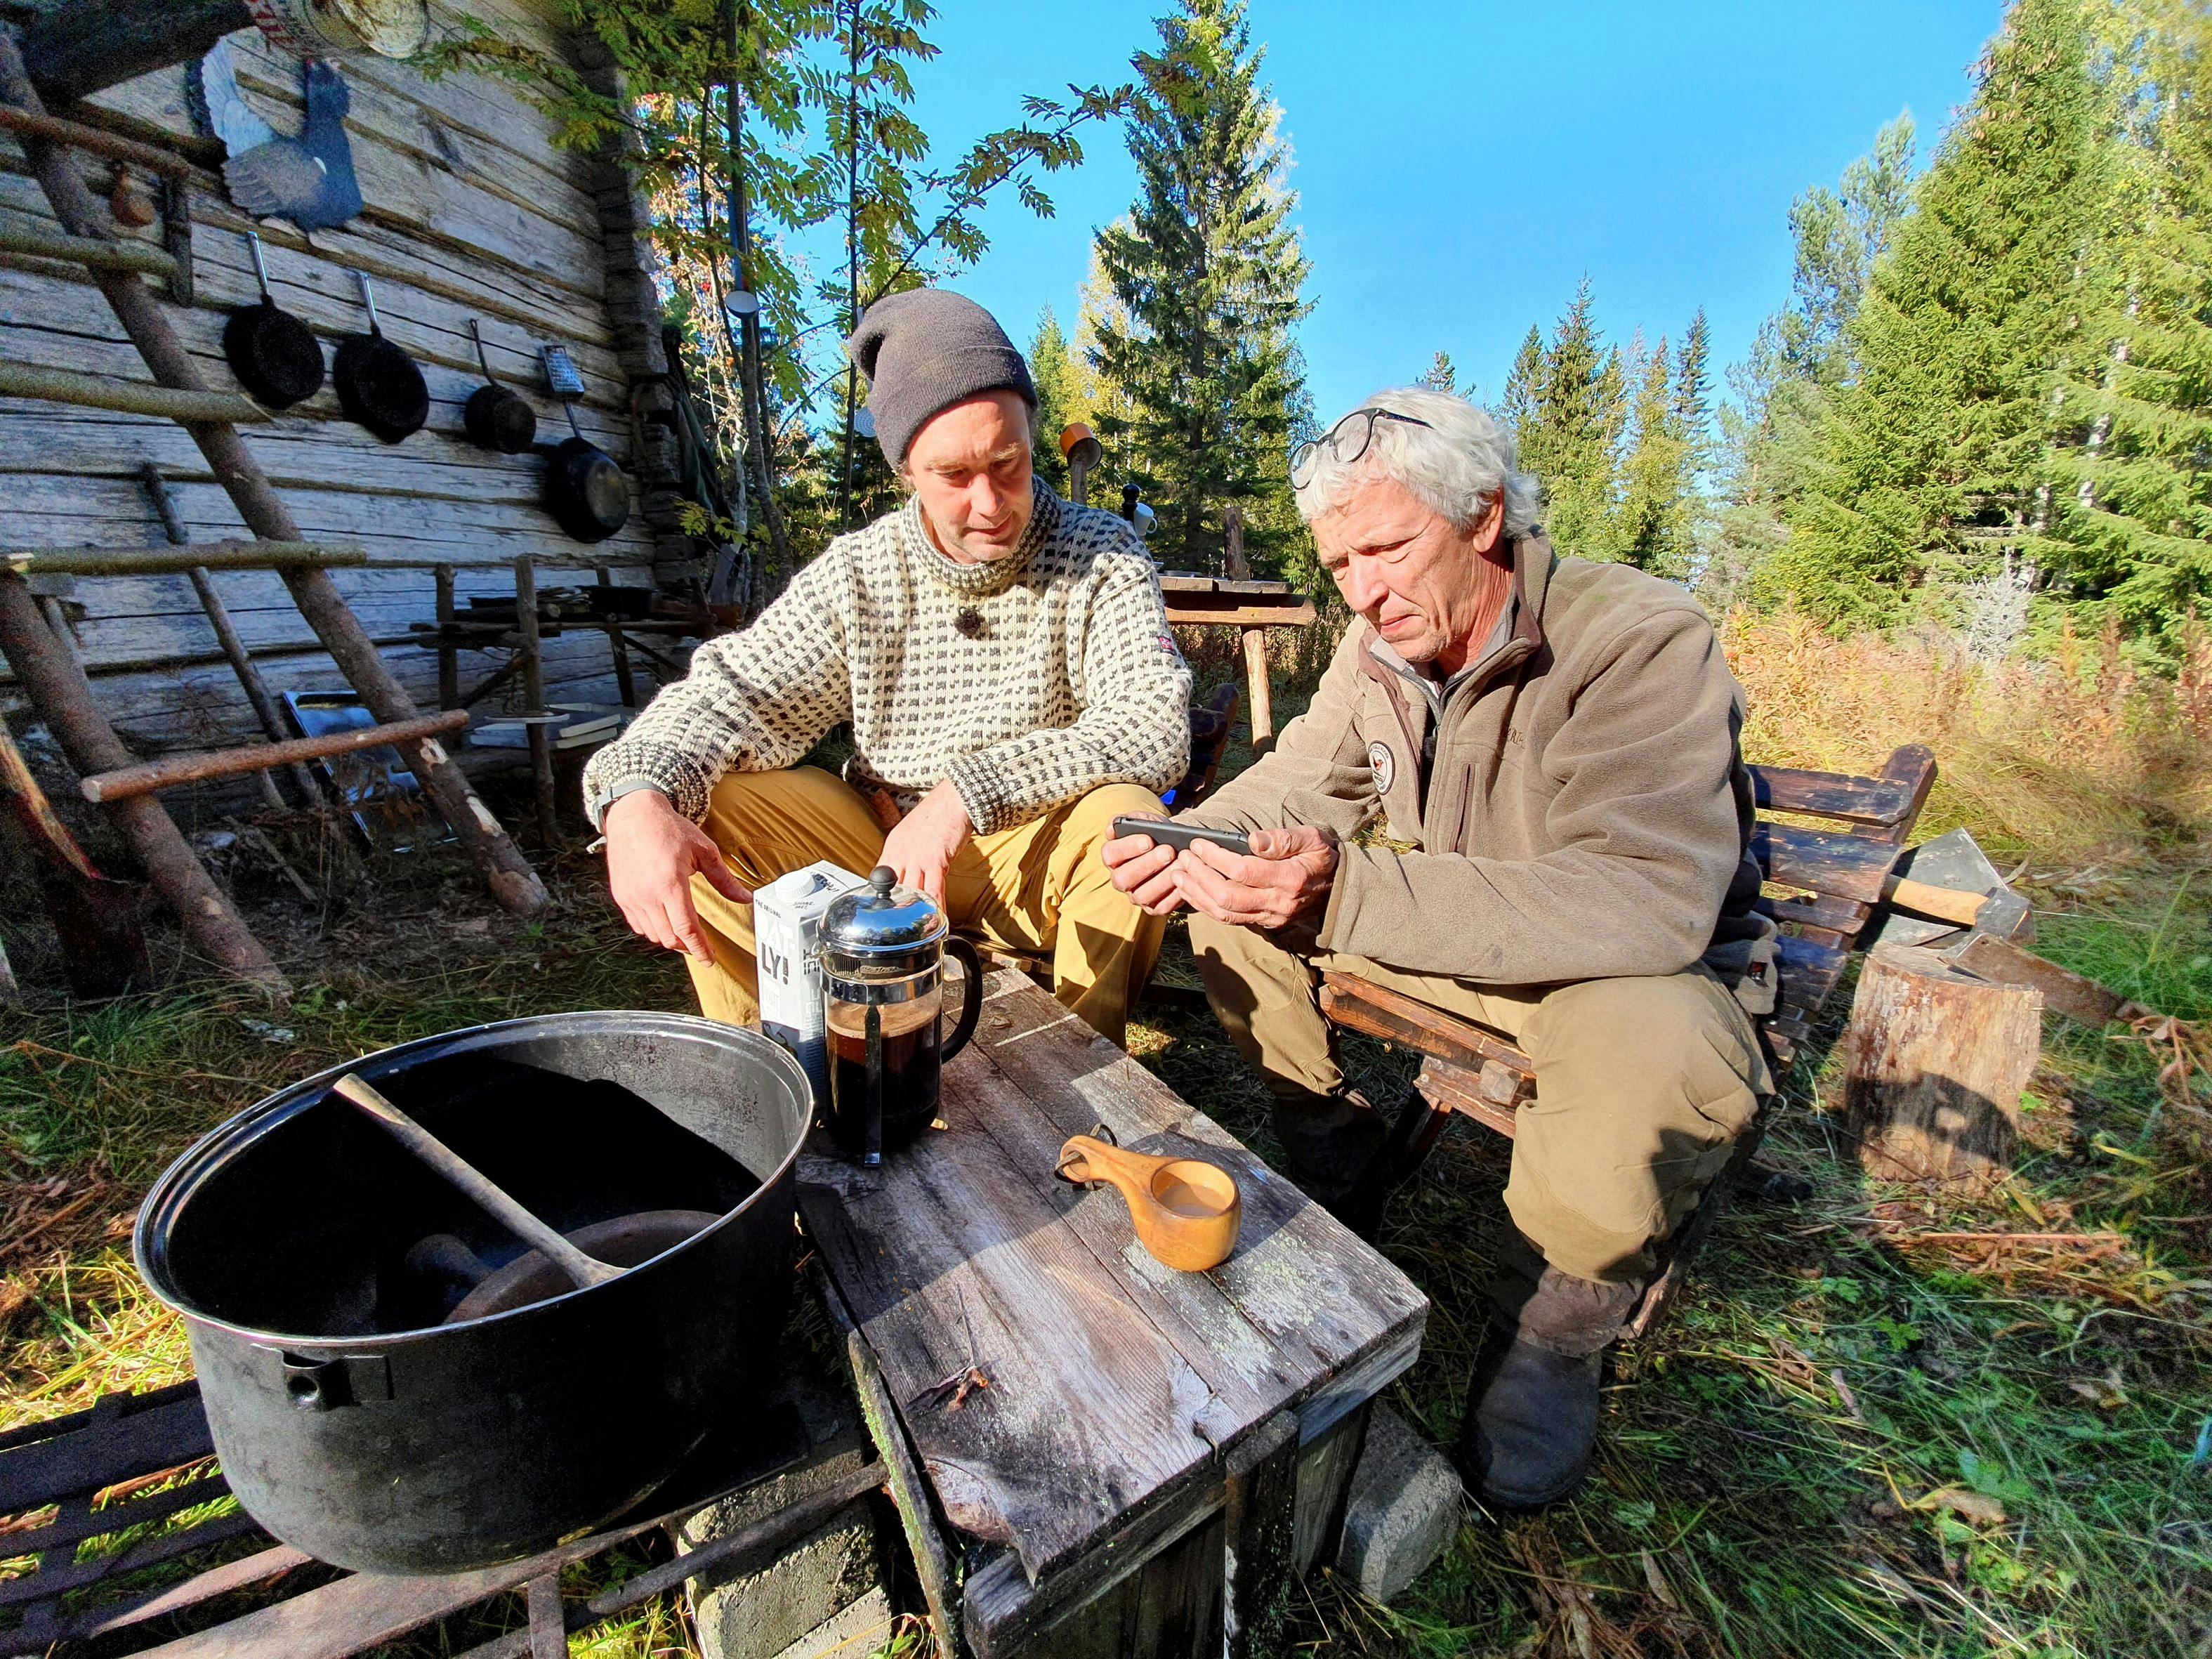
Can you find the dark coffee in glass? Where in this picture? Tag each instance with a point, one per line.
(907, 1062)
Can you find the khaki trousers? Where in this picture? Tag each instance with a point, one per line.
(1642, 1084)
(1038, 887)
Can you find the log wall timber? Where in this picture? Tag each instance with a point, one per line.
(470, 211)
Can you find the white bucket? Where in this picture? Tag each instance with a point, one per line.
(328, 29)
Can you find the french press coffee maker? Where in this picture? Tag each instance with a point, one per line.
(881, 949)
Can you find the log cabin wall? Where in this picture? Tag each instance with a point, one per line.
(469, 210)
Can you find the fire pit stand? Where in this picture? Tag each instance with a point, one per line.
(148, 1456)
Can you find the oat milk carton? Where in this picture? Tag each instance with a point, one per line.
(785, 915)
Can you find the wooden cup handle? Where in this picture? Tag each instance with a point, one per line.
(1944, 903)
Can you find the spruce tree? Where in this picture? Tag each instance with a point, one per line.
(1934, 450)
(1570, 437)
(1771, 433)
(1691, 410)
(1207, 271)
(1059, 403)
(1517, 409)
(1441, 376)
(1652, 482)
(2133, 521)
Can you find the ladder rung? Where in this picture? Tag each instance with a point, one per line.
(53, 130)
(66, 386)
(174, 561)
(92, 253)
(173, 771)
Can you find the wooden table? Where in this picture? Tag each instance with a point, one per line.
(1252, 608)
(1156, 1453)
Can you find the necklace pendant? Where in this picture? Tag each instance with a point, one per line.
(970, 621)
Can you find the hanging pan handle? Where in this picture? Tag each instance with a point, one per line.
(368, 299)
(483, 361)
(260, 268)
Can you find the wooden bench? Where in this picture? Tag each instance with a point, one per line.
(1822, 886)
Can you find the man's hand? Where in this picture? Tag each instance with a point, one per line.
(923, 848)
(653, 853)
(1288, 873)
(1140, 866)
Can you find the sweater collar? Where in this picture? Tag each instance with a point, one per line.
(976, 582)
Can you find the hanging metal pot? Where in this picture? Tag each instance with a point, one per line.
(275, 355)
(379, 385)
(585, 491)
(497, 418)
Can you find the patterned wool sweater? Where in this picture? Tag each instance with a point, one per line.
(1072, 680)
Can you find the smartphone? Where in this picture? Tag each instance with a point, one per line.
(1180, 836)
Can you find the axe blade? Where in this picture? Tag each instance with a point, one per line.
(1953, 859)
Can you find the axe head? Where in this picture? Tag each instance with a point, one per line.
(1953, 860)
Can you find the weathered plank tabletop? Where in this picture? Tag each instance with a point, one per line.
(1120, 1391)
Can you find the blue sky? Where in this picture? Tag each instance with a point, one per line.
(1461, 166)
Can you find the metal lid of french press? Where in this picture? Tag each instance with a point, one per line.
(881, 931)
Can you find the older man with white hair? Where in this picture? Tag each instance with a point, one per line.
(1549, 747)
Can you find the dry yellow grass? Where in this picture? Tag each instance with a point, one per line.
(2078, 757)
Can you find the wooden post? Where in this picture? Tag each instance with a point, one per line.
(449, 653)
(623, 681)
(1934, 1062)
(1234, 564)
(505, 871)
(1261, 691)
(249, 678)
(63, 698)
(533, 693)
(233, 648)
(98, 922)
(50, 607)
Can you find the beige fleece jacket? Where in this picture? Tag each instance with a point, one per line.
(1587, 813)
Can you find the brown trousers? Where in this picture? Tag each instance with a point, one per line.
(1642, 1085)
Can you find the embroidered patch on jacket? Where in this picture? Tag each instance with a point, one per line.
(1383, 764)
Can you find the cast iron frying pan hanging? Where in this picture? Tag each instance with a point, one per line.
(379, 385)
(275, 355)
(497, 416)
(585, 491)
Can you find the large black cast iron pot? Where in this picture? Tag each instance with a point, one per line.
(355, 1426)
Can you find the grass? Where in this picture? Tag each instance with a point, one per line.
(1853, 1438)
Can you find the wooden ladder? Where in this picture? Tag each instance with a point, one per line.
(55, 680)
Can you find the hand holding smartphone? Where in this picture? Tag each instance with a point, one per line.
(1166, 832)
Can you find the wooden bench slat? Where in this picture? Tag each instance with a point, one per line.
(1377, 1012)
(1841, 916)
(1878, 801)
(1810, 970)
(1823, 861)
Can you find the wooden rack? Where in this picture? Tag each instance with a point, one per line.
(56, 681)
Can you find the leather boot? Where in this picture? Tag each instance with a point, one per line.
(1533, 1401)
(1329, 1143)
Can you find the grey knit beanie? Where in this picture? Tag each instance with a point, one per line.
(924, 351)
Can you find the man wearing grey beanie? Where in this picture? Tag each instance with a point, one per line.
(1006, 664)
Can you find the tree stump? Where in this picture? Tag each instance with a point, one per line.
(1934, 1062)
